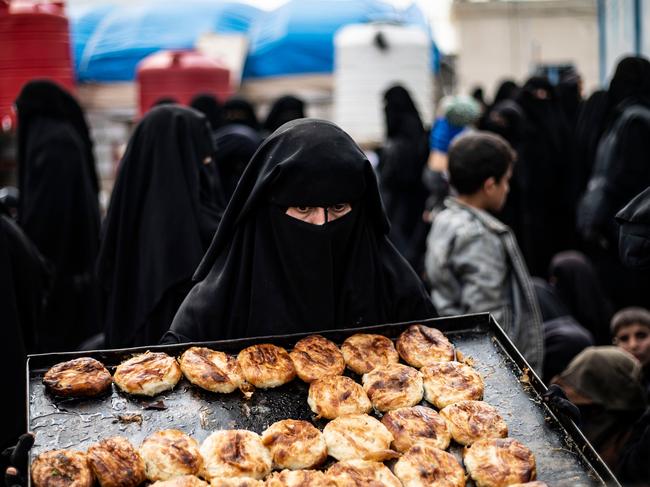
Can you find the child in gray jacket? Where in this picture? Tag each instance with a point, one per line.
(473, 261)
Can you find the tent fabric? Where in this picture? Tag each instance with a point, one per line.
(295, 38)
(126, 34)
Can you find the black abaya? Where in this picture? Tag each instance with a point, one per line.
(162, 216)
(267, 273)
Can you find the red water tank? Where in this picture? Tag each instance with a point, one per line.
(180, 75)
(34, 43)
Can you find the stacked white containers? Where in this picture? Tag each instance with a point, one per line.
(363, 71)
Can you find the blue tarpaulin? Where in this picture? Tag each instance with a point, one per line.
(295, 38)
(125, 34)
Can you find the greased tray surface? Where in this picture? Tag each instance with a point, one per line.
(564, 457)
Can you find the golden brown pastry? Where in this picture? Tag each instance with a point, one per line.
(116, 463)
(393, 386)
(534, 483)
(62, 468)
(448, 382)
(362, 473)
(315, 357)
(363, 352)
(414, 425)
(235, 453)
(266, 365)
(421, 345)
(211, 370)
(148, 374)
(237, 482)
(182, 481)
(499, 462)
(337, 395)
(358, 436)
(424, 465)
(299, 478)
(470, 420)
(80, 377)
(170, 453)
(295, 444)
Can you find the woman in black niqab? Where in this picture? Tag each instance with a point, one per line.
(239, 110)
(59, 209)
(284, 109)
(267, 273)
(160, 221)
(209, 106)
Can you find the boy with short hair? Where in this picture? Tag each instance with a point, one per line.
(631, 331)
(473, 261)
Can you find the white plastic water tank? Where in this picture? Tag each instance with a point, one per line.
(363, 71)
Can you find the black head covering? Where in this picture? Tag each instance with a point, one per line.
(235, 145)
(209, 106)
(507, 90)
(284, 110)
(631, 79)
(402, 116)
(58, 208)
(160, 220)
(268, 273)
(44, 98)
(576, 283)
(239, 110)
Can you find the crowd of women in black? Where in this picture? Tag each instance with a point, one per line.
(196, 243)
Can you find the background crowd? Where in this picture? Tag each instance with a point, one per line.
(531, 205)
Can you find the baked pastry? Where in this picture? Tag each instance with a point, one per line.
(363, 352)
(417, 424)
(499, 462)
(534, 483)
(170, 453)
(299, 478)
(295, 444)
(211, 370)
(266, 365)
(116, 463)
(424, 465)
(358, 436)
(61, 468)
(337, 395)
(362, 473)
(315, 357)
(470, 420)
(148, 374)
(237, 482)
(182, 481)
(235, 453)
(393, 386)
(421, 345)
(448, 382)
(80, 377)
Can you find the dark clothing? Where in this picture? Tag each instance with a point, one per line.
(23, 283)
(239, 110)
(267, 273)
(284, 110)
(633, 467)
(634, 232)
(235, 144)
(402, 160)
(577, 285)
(59, 210)
(209, 106)
(160, 221)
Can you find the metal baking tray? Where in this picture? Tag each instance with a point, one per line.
(564, 457)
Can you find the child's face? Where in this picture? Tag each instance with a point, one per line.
(635, 339)
(497, 192)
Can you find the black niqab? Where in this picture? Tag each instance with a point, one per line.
(58, 208)
(267, 273)
(631, 80)
(209, 106)
(284, 110)
(239, 110)
(160, 221)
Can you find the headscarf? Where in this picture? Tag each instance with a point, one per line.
(577, 285)
(507, 90)
(160, 221)
(607, 376)
(240, 110)
(284, 110)
(209, 106)
(402, 117)
(267, 273)
(631, 79)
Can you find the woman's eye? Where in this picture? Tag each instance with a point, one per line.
(339, 207)
(303, 209)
